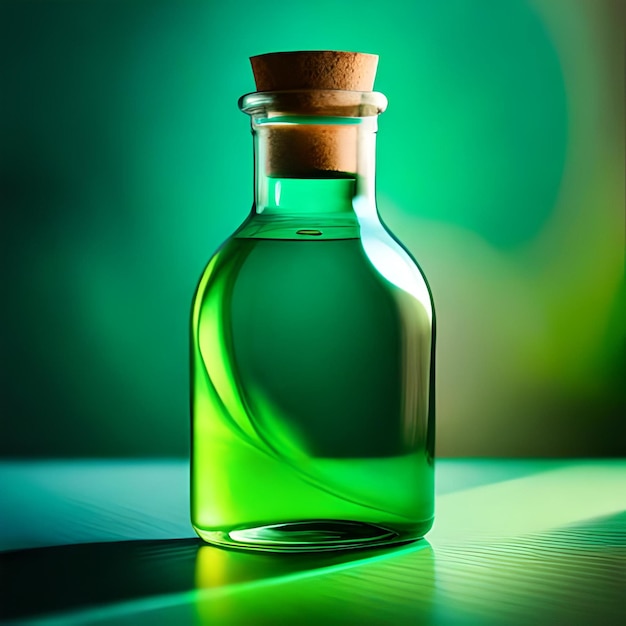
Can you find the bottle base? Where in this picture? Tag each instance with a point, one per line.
(310, 536)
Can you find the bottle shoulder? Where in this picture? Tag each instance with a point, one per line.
(394, 263)
(374, 265)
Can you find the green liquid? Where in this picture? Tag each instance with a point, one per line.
(312, 425)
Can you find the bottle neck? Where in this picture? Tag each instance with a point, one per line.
(315, 166)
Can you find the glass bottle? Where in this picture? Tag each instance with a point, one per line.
(312, 347)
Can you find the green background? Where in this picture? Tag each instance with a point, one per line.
(124, 163)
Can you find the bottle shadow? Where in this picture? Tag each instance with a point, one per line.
(48, 581)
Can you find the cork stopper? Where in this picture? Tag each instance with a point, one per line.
(314, 69)
(313, 149)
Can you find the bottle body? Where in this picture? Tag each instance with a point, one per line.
(312, 348)
(312, 370)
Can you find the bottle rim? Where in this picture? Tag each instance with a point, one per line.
(315, 102)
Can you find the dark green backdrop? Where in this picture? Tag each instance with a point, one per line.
(125, 162)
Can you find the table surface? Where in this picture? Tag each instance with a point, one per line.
(514, 542)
